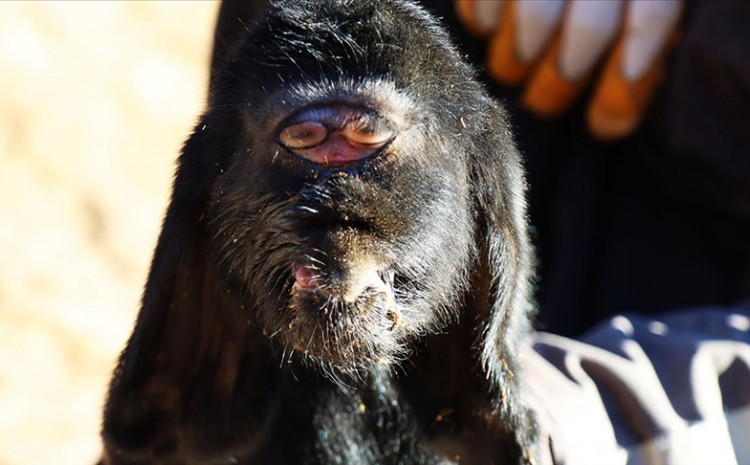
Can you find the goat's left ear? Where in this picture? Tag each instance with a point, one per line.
(184, 304)
(499, 191)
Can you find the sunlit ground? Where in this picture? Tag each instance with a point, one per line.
(95, 102)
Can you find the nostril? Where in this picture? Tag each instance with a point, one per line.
(345, 285)
(306, 277)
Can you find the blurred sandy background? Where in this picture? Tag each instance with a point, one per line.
(95, 102)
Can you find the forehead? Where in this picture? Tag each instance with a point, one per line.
(319, 40)
(385, 54)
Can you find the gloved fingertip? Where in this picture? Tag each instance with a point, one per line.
(548, 93)
(465, 13)
(469, 11)
(488, 14)
(618, 104)
(503, 63)
(649, 30)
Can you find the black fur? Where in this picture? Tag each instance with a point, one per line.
(228, 363)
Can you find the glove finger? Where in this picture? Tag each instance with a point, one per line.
(548, 93)
(588, 30)
(537, 21)
(480, 18)
(648, 28)
(635, 69)
(564, 71)
(526, 27)
(503, 63)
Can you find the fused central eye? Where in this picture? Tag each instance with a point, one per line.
(367, 132)
(303, 135)
(335, 135)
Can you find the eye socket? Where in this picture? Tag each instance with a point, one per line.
(367, 132)
(303, 135)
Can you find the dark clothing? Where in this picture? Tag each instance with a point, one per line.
(656, 222)
(660, 220)
(670, 390)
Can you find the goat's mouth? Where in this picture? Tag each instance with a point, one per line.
(349, 324)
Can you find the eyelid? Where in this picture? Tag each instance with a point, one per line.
(303, 135)
(359, 125)
(367, 133)
(336, 116)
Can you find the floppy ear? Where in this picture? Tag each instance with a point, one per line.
(186, 326)
(506, 266)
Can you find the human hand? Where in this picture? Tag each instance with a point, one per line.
(552, 48)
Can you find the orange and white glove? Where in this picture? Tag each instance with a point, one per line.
(553, 47)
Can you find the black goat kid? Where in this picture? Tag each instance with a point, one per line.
(342, 274)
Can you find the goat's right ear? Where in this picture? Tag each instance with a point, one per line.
(176, 321)
(505, 251)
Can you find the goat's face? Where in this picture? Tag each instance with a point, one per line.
(348, 181)
(345, 213)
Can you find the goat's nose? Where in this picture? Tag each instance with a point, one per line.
(346, 285)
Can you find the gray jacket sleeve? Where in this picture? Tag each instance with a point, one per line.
(673, 390)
